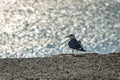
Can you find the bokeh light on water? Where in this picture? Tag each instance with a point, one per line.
(33, 28)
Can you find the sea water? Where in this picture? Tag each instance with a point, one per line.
(37, 28)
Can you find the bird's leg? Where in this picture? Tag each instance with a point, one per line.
(77, 51)
(72, 51)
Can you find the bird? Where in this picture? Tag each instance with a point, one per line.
(74, 44)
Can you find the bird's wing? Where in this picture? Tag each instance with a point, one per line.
(74, 44)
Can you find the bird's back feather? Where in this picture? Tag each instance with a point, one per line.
(74, 44)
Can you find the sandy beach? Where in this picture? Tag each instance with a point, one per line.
(88, 66)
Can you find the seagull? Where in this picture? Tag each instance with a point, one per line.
(74, 44)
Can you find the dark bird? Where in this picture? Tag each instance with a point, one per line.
(74, 44)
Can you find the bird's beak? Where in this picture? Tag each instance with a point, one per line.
(67, 36)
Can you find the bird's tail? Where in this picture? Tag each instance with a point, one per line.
(84, 50)
(81, 49)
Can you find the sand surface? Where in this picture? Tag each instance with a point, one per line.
(87, 66)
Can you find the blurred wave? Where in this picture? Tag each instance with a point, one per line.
(34, 28)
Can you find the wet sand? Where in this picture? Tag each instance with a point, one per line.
(88, 66)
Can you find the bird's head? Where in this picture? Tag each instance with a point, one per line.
(71, 36)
